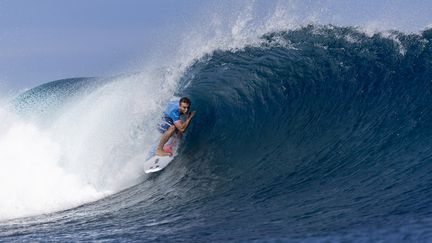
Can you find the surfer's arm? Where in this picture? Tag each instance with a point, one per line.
(181, 127)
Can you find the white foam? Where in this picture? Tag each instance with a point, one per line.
(81, 155)
(31, 180)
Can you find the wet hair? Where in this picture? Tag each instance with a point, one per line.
(185, 100)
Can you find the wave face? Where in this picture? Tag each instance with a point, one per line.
(319, 133)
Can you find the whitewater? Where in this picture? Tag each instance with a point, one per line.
(304, 132)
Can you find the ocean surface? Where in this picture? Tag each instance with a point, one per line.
(319, 133)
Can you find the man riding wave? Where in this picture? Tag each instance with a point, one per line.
(176, 119)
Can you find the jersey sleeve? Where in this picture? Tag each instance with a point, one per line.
(175, 116)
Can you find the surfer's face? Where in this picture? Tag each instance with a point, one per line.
(184, 108)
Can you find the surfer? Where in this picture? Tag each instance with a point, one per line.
(176, 118)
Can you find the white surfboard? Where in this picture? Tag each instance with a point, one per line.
(156, 163)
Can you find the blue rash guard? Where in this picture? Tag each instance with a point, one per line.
(171, 115)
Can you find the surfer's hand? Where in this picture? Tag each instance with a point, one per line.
(192, 114)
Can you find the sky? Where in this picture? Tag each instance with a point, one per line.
(41, 41)
(46, 40)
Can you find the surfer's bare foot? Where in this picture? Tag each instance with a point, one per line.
(160, 152)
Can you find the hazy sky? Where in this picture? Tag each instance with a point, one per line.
(46, 40)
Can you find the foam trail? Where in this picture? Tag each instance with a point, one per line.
(31, 180)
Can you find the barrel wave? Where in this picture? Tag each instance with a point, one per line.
(318, 133)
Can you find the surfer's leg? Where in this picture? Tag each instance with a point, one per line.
(165, 137)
